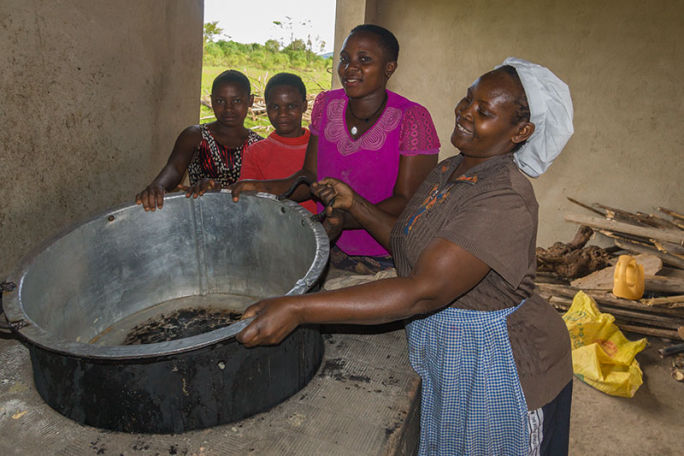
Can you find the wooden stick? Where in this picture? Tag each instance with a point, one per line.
(639, 217)
(669, 247)
(626, 316)
(663, 301)
(621, 215)
(586, 206)
(549, 277)
(671, 272)
(667, 258)
(655, 332)
(662, 284)
(611, 225)
(603, 299)
(563, 304)
(629, 238)
(671, 213)
(671, 350)
(642, 317)
(658, 221)
(622, 316)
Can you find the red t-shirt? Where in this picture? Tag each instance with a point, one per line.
(276, 157)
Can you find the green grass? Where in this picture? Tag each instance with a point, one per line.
(316, 80)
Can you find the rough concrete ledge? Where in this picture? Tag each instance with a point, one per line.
(361, 402)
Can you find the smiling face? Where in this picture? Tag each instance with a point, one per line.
(364, 68)
(285, 106)
(230, 102)
(486, 121)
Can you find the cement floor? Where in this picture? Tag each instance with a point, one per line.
(649, 424)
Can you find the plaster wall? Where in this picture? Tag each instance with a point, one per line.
(622, 59)
(93, 95)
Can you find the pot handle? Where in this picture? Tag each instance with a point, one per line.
(4, 322)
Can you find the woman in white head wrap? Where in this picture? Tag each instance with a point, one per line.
(494, 357)
(551, 113)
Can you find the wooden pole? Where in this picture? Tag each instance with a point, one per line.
(662, 284)
(586, 206)
(563, 304)
(663, 301)
(676, 237)
(655, 332)
(671, 213)
(604, 299)
(667, 258)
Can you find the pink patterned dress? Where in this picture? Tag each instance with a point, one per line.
(369, 164)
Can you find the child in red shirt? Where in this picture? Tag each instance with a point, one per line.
(282, 153)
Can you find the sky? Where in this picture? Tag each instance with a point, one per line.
(251, 21)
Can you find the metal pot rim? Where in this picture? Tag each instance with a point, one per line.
(28, 330)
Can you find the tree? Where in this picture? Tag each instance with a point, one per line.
(296, 45)
(272, 46)
(212, 31)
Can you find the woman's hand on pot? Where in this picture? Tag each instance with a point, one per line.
(334, 193)
(275, 319)
(152, 197)
(201, 187)
(334, 224)
(244, 186)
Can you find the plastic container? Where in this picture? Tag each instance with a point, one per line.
(628, 279)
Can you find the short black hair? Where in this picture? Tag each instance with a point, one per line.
(232, 76)
(388, 41)
(522, 111)
(285, 79)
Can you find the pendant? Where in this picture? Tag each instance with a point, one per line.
(354, 130)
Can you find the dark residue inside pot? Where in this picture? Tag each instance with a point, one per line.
(179, 324)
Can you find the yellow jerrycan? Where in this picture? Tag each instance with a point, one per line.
(628, 279)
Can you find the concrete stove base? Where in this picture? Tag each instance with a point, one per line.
(364, 400)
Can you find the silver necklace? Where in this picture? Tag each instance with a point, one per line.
(354, 130)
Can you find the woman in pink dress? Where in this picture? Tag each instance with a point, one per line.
(378, 142)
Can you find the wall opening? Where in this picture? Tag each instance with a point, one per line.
(264, 38)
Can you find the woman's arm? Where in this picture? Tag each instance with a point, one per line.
(341, 199)
(152, 197)
(412, 172)
(443, 272)
(279, 186)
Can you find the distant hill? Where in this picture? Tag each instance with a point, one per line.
(327, 55)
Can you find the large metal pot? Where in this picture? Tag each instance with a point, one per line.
(126, 277)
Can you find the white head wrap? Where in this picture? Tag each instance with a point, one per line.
(550, 112)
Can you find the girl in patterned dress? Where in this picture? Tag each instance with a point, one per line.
(209, 151)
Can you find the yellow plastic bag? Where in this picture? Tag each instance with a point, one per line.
(601, 355)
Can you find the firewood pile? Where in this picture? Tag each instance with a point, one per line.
(657, 243)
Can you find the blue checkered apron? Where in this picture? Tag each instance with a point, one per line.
(472, 401)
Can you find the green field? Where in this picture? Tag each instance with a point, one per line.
(260, 63)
